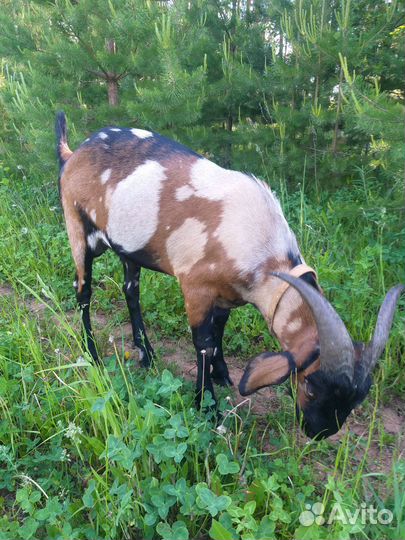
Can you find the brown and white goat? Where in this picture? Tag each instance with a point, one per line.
(223, 234)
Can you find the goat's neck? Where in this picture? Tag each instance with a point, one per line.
(293, 324)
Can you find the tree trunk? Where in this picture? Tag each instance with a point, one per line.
(112, 81)
(339, 103)
(112, 85)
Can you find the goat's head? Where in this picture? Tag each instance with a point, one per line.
(337, 374)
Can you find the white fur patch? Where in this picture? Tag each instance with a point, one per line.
(105, 176)
(184, 192)
(186, 245)
(134, 206)
(95, 237)
(93, 215)
(103, 135)
(141, 133)
(295, 325)
(253, 227)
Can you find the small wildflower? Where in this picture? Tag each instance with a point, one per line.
(82, 361)
(228, 398)
(24, 230)
(65, 456)
(25, 481)
(221, 429)
(57, 351)
(126, 355)
(110, 339)
(73, 432)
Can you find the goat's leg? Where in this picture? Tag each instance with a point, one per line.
(204, 343)
(83, 295)
(220, 373)
(131, 290)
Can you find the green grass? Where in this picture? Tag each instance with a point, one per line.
(122, 453)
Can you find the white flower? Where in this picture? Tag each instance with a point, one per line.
(82, 361)
(110, 339)
(65, 456)
(73, 432)
(57, 351)
(221, 429)
(24, 230)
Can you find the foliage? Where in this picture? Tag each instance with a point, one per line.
(257, 86)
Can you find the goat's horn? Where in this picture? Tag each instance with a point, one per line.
(336, 346)
(382, 330)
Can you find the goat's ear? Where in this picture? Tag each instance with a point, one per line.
(265, 370)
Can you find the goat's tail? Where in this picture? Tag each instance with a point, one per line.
(63, 151)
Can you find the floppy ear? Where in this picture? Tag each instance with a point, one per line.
(265, 370)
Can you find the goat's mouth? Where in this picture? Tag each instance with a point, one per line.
(318, 435)
(316, 430)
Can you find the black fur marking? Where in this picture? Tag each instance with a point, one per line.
(83, 299)
(156, 147)
(131, 291)
(220, 373)
(334, 399)
(203, 339)
(90, 228)
(294, 258)
(309, 361)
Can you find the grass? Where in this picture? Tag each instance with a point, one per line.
(122, 453)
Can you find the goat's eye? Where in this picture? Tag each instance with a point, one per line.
(308, 390)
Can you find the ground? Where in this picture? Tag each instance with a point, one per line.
(179, 355)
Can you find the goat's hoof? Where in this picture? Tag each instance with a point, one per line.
(222, 380)
(145, 356)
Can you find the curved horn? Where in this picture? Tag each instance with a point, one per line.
(336, 346)
(382, 330)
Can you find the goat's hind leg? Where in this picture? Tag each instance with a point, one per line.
(83, 258)
(131, 290)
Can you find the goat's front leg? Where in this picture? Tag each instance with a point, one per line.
(204, 343)
(131, 290)
(199, 302)
(220, 373)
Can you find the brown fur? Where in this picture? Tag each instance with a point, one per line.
(202, 287)
(82, 187)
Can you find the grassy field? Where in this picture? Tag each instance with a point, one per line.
(121, 453)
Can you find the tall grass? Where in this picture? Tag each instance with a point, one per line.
(117, 452)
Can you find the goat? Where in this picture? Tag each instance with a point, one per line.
(223, 235)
